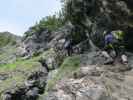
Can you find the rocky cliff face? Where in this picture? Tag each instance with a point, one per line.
(95, 16)
(37, 41)
(41, 41)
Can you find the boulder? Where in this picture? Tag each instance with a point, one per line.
(32, 94)
(37, 42)
(7, 96)
(30, 90)
(48, 63)
(79, 89)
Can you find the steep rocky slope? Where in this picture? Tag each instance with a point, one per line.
(92, 81)
(79, 77)
(42, 71)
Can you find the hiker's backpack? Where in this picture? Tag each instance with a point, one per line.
(114, 37)
(118, 34)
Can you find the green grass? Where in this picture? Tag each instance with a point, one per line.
(12, 82)
(24, 64)
(6, 52)
(19, 64)
(69, 66)
(7, 38)
(19, 70)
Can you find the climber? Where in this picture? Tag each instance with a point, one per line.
(114, 46)
(68, 46)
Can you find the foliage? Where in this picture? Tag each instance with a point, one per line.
(73, 11)
(8, 55)
(7, 38)
(50, 22)
(18, 72)
(19, 69)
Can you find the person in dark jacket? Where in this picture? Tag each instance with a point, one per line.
(68, 46)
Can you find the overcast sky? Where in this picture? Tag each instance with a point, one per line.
(17, 16)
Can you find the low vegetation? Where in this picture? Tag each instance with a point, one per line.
(69, 66)
(51, 23)
(7, 38)
(18, 71)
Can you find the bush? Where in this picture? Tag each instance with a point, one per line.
(50, 22)
(7, 38)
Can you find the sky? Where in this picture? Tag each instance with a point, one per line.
(16, 16)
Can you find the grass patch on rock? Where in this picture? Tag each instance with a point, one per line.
(17, 73)
(69, 66)
(19, 70)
